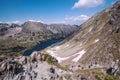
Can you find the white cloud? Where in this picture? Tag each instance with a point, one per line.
(35, 21)
(87, 3)
(19, 22)
(72, 20)
(15, 22)
(10, 22)
(76, 19)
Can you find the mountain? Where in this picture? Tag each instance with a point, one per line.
(28, 34)
(98, 39)
(30, 26)
(3, 28)
(92, 52)
(7, 30)
(96, 44)
(59, 30)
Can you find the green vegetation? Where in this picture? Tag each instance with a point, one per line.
(11, 48)
(110, 77)
(68, 77)
(49, 59)
(99, 75)
(53, 61)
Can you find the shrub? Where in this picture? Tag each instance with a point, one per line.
(109, 77)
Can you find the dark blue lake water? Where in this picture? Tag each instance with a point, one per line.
(41, 46)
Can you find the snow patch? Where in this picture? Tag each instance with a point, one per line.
(96, 40)
(51, 52)
(90, 29)
(60, 59)
(79, 56)
(57, 48)
(67, 46)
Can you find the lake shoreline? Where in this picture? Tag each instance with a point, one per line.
(41, 46)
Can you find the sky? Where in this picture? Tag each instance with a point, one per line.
(51, 11)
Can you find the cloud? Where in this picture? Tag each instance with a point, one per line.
(36, 21)
(11, 22)
(15, 22)
(72, 20)
(19, 22)
(76, 19)
(88, 3)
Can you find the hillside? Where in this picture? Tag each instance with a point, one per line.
(96, 44)
(98, 37)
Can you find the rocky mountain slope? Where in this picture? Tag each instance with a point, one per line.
(98, 39)
(96, 44)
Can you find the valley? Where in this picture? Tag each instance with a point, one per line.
(15, 39)
(39, 51)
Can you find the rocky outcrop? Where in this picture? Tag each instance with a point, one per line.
(33, 67)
